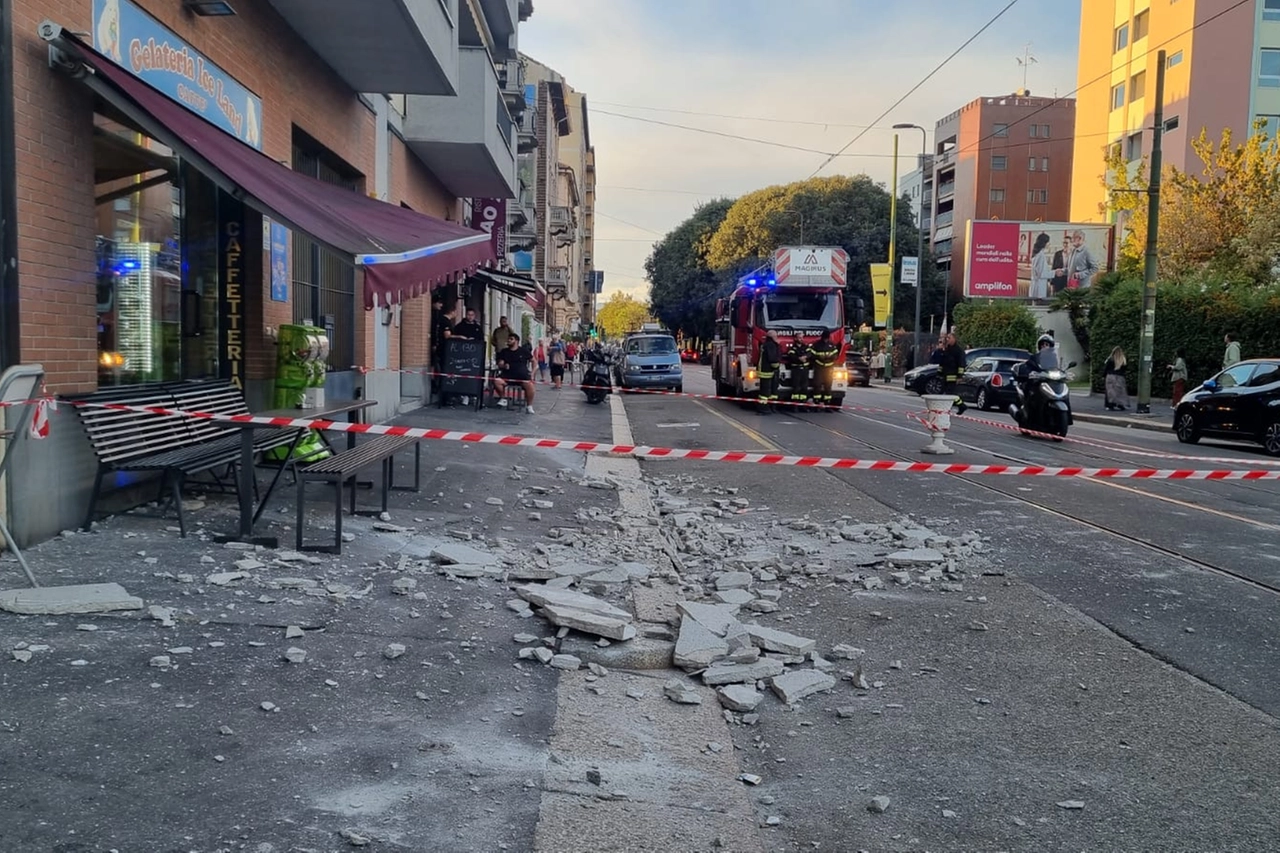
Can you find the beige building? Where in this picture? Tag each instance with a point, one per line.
(1222, 70)
(564, 192)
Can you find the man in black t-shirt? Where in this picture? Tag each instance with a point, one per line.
(513, 366)
(469, 329)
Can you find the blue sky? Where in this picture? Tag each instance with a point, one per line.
(805, 73)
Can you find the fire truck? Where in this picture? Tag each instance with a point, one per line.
(799, 295)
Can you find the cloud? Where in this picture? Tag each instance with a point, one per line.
(798, 64)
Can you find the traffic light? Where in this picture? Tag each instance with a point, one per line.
(592, 331)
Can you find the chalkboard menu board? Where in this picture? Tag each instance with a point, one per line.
(464, 364)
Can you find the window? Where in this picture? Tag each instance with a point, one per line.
(1044, 131)
(1235, 375)
(999, 162)
(1137, 86)
(1117, 96)
(1001, 130)
(1269, 68)
(1122, 38)
(1133, 146)
(324, 282)
(997, 195)
(1037, 196)
(1171, 123)
(1031, 164)
(1044, 164)
(1271, 10)
(1034, 130)
(1266, 374)
(1141, 25)
(1175, 58)
(1270, 125)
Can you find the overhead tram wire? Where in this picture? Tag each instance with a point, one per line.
(737, 118)
(1106, 77)
(970, 40)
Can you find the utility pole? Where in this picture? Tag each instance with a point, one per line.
(893, 270)
(1151, 268)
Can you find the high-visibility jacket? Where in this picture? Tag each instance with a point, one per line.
(825, 354)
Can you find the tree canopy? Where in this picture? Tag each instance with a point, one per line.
(683, 288)
(1224, 221)
(621, 314)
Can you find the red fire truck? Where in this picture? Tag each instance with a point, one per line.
(799, 295)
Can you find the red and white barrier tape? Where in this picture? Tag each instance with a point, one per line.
(642, 451)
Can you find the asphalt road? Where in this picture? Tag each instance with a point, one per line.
(1131, 659)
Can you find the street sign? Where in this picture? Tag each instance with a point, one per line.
(910, 270)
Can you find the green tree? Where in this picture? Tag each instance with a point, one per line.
(850, 212)
(682, 286)
(621, 314)
(996, 323)
(1224, 220)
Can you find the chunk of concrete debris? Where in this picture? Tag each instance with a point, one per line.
(293, 632)
(681, 692)
(901, 578)
(734, 597)
(873, 582)
(739, 697)
(716, 618)
(772, 640)
(878, 805)
(21, 655)
(451, 554)
(82, 598)
(844, 651)
(543, 654)
(525, 639)
(163, 615)
(612, 627)
(393, 651)
(916, 557)
(226, 578)
(293, 654)
(160, 661)
(1071, 805)
(519, 606)
(249, 564)
(696, 647)
(844, 712)
(566, 662)
(403, 586)
(642, 653)
(613, 574)
(542, 595)
(742, 673)
(577, 570)
(762, 605)
(734, 580)
(794, 686)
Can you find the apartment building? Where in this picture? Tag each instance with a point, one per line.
(917, 188)
(153, 140)
(1222, 70)
(564, 175)
(1003, 157)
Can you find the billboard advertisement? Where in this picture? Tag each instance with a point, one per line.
(1034, 260)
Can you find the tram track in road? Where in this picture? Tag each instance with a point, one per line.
(1077, 519)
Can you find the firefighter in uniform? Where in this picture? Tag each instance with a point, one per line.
(767, 370)
(824, 354)
(797, 361)
(951, 364)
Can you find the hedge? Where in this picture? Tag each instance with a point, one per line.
(995, 324)
(1192, 315)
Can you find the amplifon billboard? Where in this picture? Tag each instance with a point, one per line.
(1034, 260)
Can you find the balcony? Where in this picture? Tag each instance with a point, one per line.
(356, 39)
(561, 219)
(557, 279)
(946, 191)
(502, 18)
(527, 131)
(944, 218)
(468, 141)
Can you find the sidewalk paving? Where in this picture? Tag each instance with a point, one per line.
(133, 732)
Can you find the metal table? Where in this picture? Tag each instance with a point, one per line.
(328, 412)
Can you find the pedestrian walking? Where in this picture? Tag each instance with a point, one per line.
(1232, 354)
(767, 370)
(540, 356)
(823, 354)
(1178, 374)
(557, 356)
(1115, 386)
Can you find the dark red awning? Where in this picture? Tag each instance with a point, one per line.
(403, 253)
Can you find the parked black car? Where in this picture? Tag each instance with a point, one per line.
(859, 369)
(927, 379)
(988, 383)
(1242, 403)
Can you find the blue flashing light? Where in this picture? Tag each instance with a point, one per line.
(125, 267)
(751, 281)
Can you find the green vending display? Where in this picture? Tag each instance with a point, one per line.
(301, 357)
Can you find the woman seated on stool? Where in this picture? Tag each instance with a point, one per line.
(513, 366)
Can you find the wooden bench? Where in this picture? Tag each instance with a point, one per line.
(174, 446)
(341, 470)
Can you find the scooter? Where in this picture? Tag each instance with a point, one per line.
(1044, 402)
(596, 384)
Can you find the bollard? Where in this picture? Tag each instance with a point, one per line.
(938, 421)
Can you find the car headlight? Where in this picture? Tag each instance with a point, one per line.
(842, 375)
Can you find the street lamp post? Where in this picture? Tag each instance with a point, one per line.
(924, 152)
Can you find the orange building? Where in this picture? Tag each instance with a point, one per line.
(1222, 69)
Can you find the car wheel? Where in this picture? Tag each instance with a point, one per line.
(1187, 430)
(679, 389)
(934, 386)
(1271, 438)
(982, 401)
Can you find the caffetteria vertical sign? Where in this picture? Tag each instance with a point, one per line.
(140, 44)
